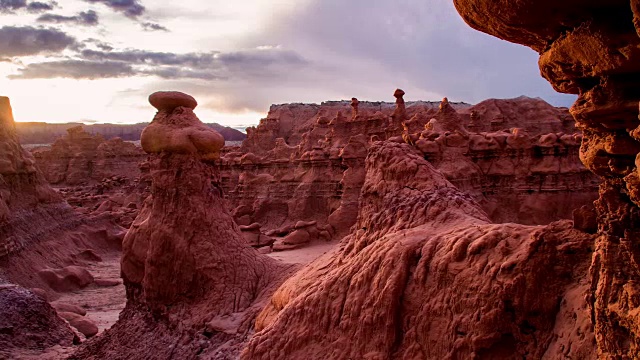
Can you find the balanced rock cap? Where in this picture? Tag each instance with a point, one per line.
(398, 93)
(169, 100)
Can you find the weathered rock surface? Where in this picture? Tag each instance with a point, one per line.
(192, 280)
(41, 237)
(592, 49)
(316, 169)
(28, 322)
(80, 158)
(96, 175)
(427, 276)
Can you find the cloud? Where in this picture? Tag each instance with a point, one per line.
(130, 8)
(149, 26)
(424, 44)
(234, 66)
(38, 7)
(10, 6)
(75, 69)
(85, 18)
(152, 58)
(26, 41)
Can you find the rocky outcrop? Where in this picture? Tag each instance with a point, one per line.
(517, 176)
(41, 242)
(80, 158)
(425, 275)
(591, 49)
(185, 263)
(29, 323)
(31, 212)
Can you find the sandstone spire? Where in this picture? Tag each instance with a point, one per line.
(354, 105)
(400, 114)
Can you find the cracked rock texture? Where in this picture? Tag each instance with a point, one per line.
(592, 48)
(426, 275)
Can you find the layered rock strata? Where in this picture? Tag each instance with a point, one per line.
(425, 275)
(516, 175)
(592, 49)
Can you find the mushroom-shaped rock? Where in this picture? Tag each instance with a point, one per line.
(179, 131)
(169, 100)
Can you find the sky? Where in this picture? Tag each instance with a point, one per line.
(98, 60)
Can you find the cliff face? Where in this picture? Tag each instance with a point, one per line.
(592, 49)
(427, 276)
(315, 172)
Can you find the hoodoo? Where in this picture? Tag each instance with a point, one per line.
(185, 263)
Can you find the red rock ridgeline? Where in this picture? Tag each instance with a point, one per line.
(427, 276)
(591, 49)
(184, 262)
(314, 172)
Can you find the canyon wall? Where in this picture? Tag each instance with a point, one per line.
(592, 48)
(306, 162)
(297, 177)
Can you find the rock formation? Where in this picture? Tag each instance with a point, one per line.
(591, 49)
(517, 176)
(188, 270)
(425, 275)
(354, 105)
(41, 240)
(80, 158)
(96, 175)
(400, 114)
(29, 323)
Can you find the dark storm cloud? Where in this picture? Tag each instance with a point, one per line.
(149, 26)
(25, 41)
(130, 8)
(86, 18)
(75, 69)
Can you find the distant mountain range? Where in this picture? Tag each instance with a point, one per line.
(45, 133)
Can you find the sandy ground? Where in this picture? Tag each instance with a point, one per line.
(103, 304)
(305, 254)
